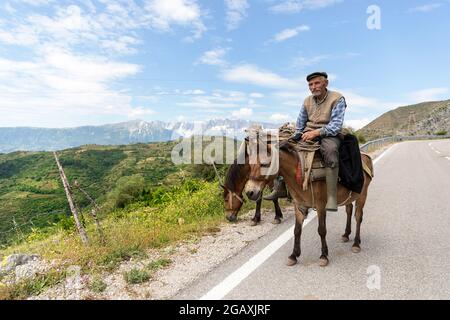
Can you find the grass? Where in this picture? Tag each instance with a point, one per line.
(129, 233)
(160, 263)
(97, 285)
(29, 287)
(136, 276)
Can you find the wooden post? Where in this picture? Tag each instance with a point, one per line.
(66, 185)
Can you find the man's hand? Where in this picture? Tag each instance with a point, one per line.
(310, 135)
(296, 136)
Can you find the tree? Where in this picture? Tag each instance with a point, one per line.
(127, 190)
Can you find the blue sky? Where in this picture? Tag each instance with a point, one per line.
(90, 62)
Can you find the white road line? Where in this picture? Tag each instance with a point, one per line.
(437, 151)
(235, 278)
(383, 154)
(448, 158)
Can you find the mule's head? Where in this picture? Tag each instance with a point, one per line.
(264, 167)
(232, 203)
(235, 180)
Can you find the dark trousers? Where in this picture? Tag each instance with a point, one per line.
(329, 147)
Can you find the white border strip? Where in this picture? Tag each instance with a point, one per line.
(234, 279)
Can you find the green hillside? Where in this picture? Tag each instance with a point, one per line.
(31, 192)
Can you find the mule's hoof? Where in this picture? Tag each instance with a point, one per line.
(253, 223)
(356, 249)
(323, 262)
(276, 221)
(291, 262)
(345, 239)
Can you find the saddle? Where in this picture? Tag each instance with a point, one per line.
(311, 166)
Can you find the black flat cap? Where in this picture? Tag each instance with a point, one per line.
(316, 74)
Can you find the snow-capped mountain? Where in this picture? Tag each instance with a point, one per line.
(136, 131)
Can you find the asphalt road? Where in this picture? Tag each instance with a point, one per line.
(405, 242)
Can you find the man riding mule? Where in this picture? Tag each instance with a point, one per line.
(320, 119)
(284, 158)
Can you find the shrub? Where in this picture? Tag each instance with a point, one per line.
(127, 189)
(136, 276)
(161, 263)
(97, 285)
(28, 287)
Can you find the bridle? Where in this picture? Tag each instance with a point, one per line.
(232, 194)
(259, 178)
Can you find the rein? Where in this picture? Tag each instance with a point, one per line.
(232, 194)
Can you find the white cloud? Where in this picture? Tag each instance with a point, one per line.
(193, 92)
(295, 6)
(88, 68)
(256, 95)
(356, 123)
(110, 26)
(290, 33)
(426, 8)
(242, 113)
(121, 45)
(36, 2)
(292, 94)
(220, 99)
(164, 14)
(280, 117)
(62, 83)
(138, 112)
(254, 75)
(302, 62)
(213, 57)
(431, 94)
(72, 26)
(9, 8)
(236, 11)
(178, 92)
(357, 100)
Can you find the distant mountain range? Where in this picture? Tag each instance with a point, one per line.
(425, 118)
(136, 131)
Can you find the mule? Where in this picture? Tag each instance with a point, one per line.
(235, 181)
(285, 161)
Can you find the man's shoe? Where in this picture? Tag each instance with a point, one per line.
(331, 175)
(279, 189)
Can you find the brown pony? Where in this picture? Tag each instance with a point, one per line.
(236, 178)
(314, 197)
